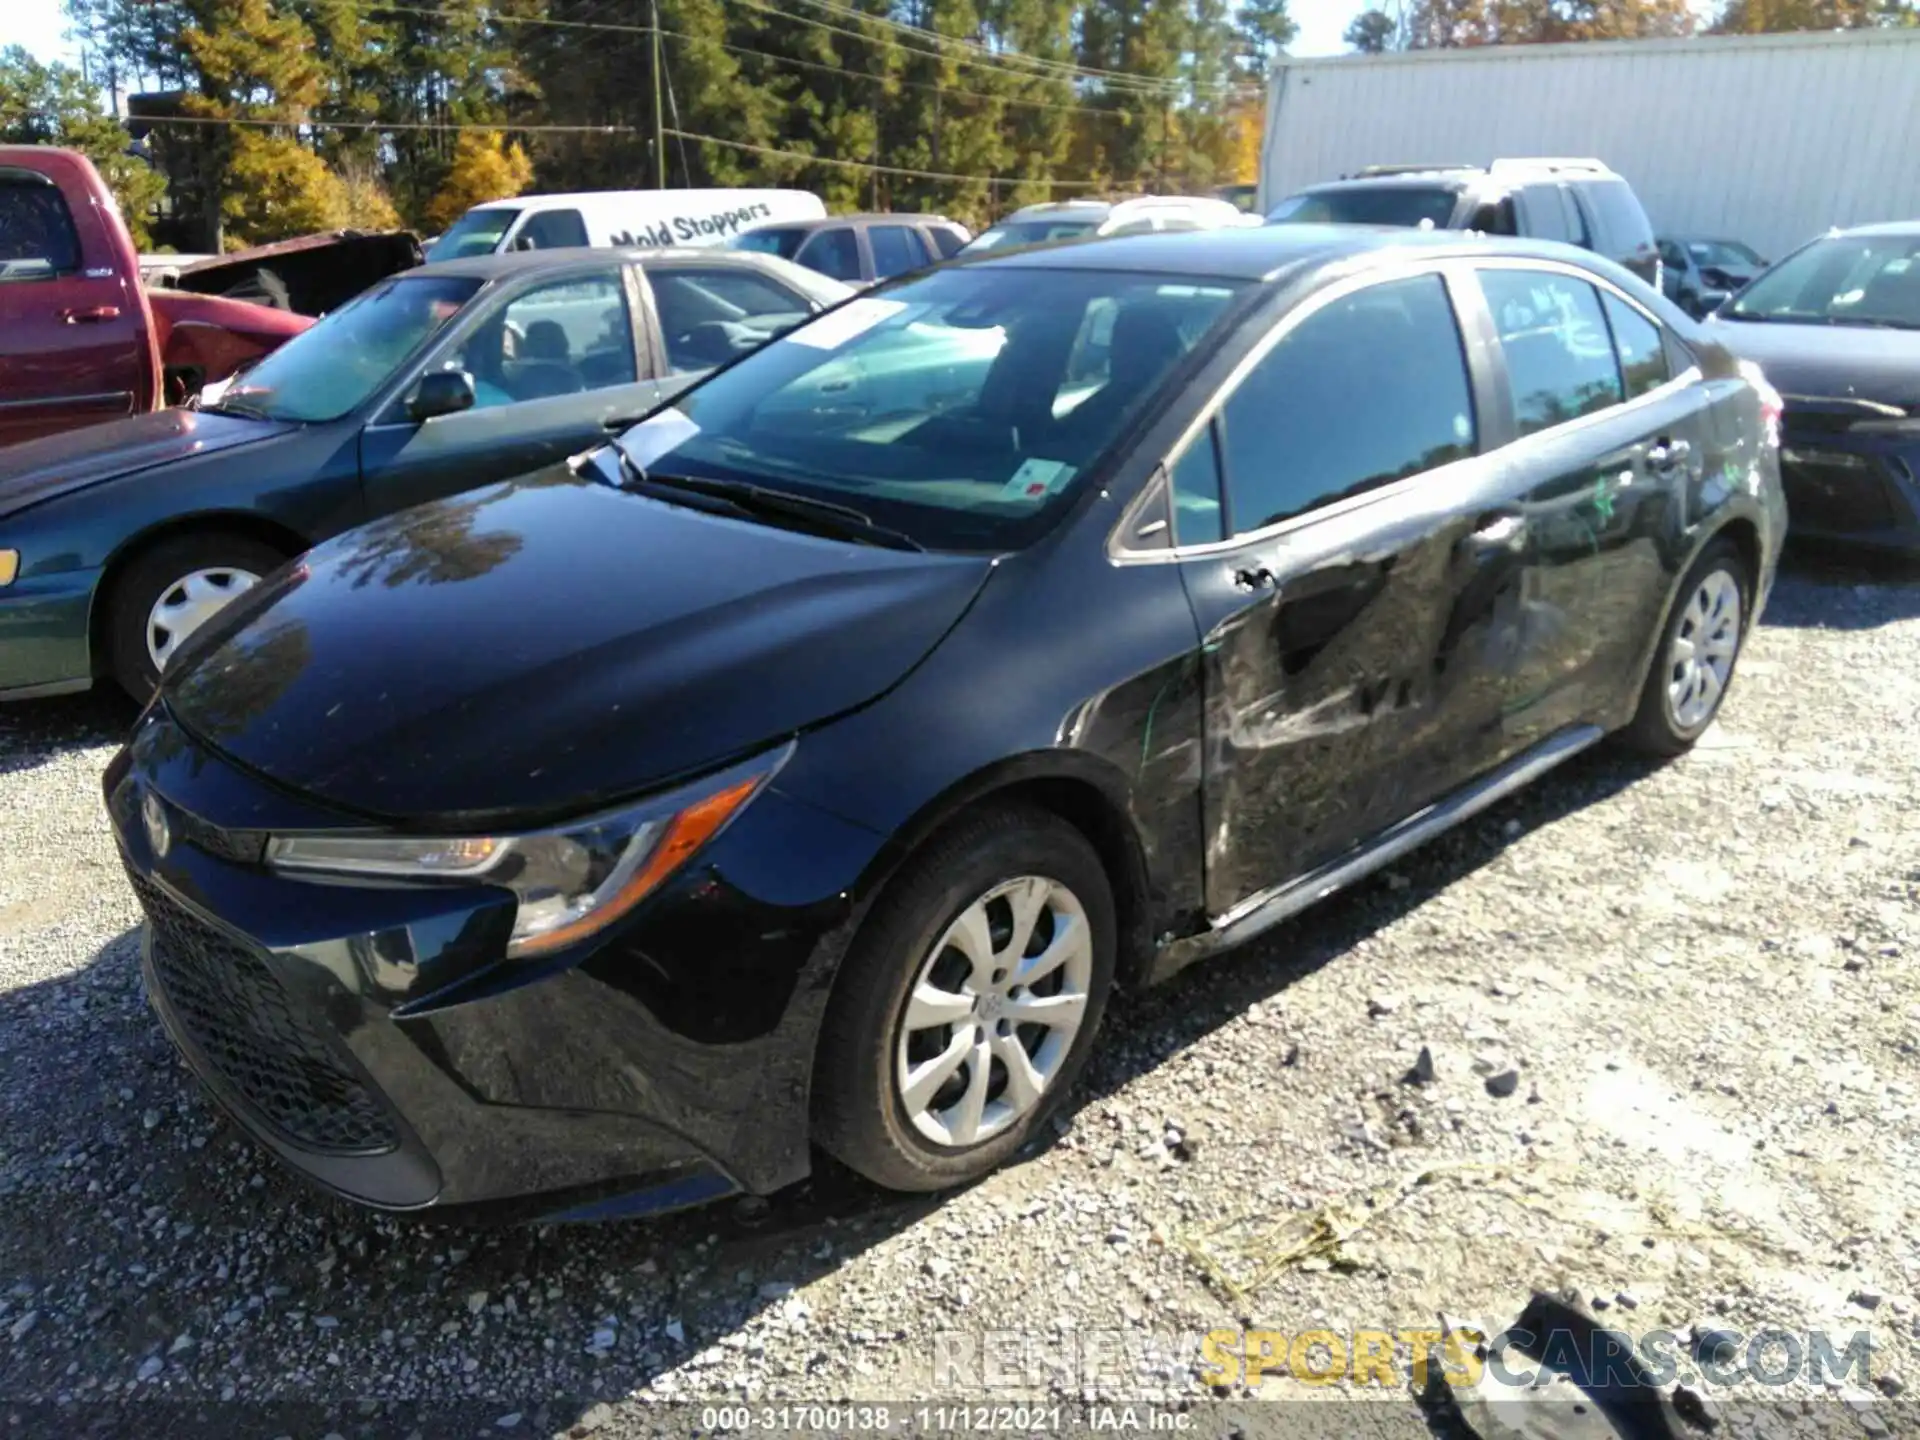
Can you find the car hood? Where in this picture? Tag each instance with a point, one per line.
(1830, 362)
(37, 470)
(550, 645)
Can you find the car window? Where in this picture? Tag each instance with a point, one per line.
(946, 240)
(1672, 254)
(1869, 280)
(477, 232)
(1623, 227)
(1495, 217)
(551, 230)
(1408, 205)
(555, 339)
(1139, 225)
(896, 250)
(781, 242)
(323, 373)
(1640, 346)
(1179, 224)
(938, 408)
(1560, 361)
(834, 252)
(1546, 212)
(1724, 252)
(1032, 232)
(1196, 492)
(37, 239)
(1577, 228)
(1366, 390)
(710, 314)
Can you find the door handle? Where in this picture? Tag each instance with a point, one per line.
(90, 316)
(1253, 577)
(1668, 454)
(1502, 532)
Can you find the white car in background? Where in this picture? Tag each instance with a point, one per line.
(1096, 219)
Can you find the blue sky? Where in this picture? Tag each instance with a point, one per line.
(37, 24)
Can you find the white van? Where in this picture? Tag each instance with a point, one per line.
(619, 217)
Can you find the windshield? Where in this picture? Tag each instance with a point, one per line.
(322, 373)
(1723, 252)
(1405, 205)
(958, 408)
(1031, 232)
(477, 232)
(1844, 280)
(771, 242)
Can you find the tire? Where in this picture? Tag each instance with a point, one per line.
(1664, 724)
(860, 1111)
(151, 576)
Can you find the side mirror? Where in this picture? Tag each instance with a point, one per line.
(441, 392)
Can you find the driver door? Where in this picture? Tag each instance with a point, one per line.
(556, 366)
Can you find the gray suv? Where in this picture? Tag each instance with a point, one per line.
(1580, 202)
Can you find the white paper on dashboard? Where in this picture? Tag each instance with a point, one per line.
(1035, 478)
(657, 435)
(837, 327)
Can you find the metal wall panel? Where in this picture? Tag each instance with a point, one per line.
(1767, 139)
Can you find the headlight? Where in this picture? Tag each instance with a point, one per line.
(570, 881)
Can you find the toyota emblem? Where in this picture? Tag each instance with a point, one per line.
(153, 815)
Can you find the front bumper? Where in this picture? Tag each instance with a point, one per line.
(374, 1042)
(44, 633)
(1851, 488)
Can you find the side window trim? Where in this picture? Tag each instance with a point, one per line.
(650, 347)
(1453, 273)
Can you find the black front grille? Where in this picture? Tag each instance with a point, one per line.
(238, 1015)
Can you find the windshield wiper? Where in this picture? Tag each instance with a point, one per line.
(226, 406)
(823, 516)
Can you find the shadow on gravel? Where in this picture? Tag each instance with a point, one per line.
(32, 732)
(1828, 587)
(1143, 1029)
(134, 1214)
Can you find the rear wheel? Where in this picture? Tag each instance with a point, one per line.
(1698, 650)
(968, 1003)
(165, 595)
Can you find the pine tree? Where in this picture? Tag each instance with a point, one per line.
(54, 105)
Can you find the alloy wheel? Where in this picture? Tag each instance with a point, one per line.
(188, 603)
(1700, 658)
(993, 1011)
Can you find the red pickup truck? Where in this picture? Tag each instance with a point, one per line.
(82, 340)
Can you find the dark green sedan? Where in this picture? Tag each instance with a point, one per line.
(117, 541)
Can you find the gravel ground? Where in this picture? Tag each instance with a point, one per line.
(1694, 984)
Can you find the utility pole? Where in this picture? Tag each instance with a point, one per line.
(659, 114)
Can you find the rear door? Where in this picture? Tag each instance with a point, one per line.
(834, 250)
(1606, 442)
(558, 365)
(74, 347)
(896, 250)
(1337, 524)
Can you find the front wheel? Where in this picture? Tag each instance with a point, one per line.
(170, 592)
(968, 1003)
(1698, 650)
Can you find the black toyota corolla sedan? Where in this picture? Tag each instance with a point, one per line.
(809, 766)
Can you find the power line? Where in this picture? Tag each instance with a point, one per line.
(846, 74)
(992, 181)
(1063, 68)
(506, 127)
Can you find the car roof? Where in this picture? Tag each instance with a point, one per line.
(520, 262)
(1438, 178)
(1260, 252)
(875, 217)
(1900, 229)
